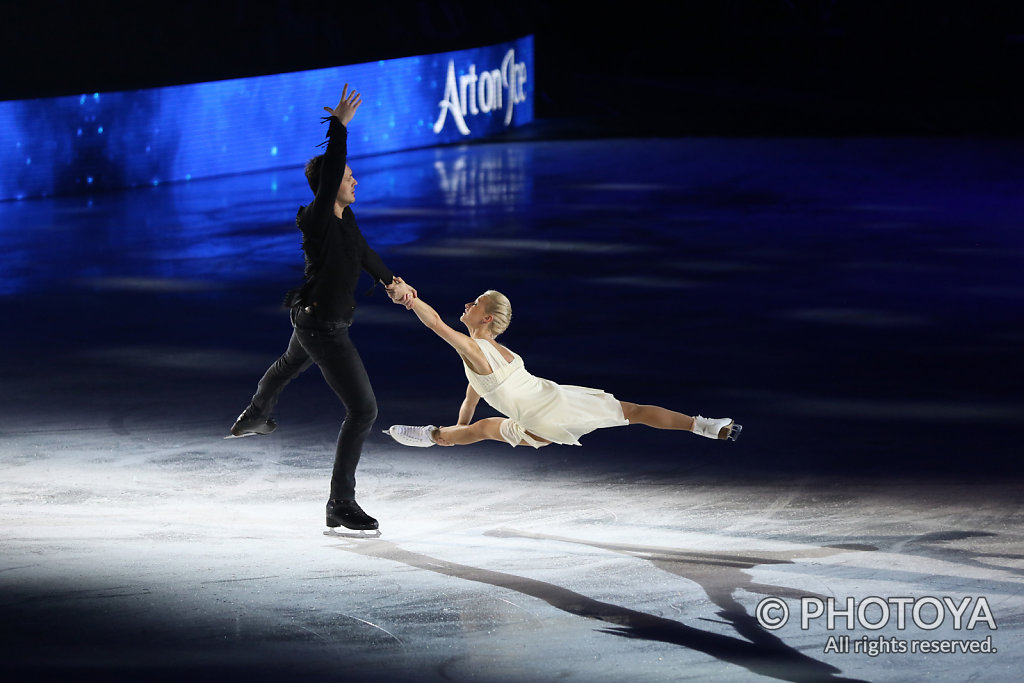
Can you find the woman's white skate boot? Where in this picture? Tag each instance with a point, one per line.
(408, 435)
(716, 428)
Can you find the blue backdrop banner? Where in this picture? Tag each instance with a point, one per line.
(103, 141)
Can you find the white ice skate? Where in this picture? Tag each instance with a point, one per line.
(716, 428)
(408, 435)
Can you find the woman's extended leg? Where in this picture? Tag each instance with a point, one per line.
(487, 429)
(663, 418)
(656, 416)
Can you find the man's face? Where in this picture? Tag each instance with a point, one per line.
(347, 191)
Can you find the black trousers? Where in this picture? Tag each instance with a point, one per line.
(328, 345)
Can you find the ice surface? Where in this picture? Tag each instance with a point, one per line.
(874, 367)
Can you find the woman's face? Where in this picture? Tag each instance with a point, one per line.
(476, 312)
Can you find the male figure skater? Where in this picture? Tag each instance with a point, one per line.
(322, 311)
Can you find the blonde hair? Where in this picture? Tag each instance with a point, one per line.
(499, 307)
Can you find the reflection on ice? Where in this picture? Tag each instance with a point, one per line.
(480, 177)
(146, 284)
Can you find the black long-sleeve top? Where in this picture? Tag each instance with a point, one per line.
(335, 249)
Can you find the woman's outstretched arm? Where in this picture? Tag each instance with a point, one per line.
(429, 317)
(462, 343)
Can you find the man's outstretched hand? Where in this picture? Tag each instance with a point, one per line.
(347, 107)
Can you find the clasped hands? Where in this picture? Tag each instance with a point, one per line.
(401, 292)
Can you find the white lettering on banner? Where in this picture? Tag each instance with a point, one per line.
(472, 94)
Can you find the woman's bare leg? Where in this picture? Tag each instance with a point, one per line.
(656, 416)
(663, 418)
(487, 429)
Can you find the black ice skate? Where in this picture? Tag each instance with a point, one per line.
(249, 425)
(348, 514)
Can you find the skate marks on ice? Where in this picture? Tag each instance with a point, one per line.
(946, 546)
(720, 574)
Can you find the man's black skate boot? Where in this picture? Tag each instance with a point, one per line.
(248, 423)
(348, 514)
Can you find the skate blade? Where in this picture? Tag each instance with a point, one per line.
(734, 433)
(353, 533)
(241, 436)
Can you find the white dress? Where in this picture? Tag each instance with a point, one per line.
(556, 412)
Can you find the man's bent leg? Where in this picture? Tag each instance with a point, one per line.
(292, 363)
(255, 419)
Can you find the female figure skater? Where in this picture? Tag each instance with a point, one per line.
(538, 411)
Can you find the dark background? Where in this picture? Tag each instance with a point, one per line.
(827, 227)
(718, 67)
